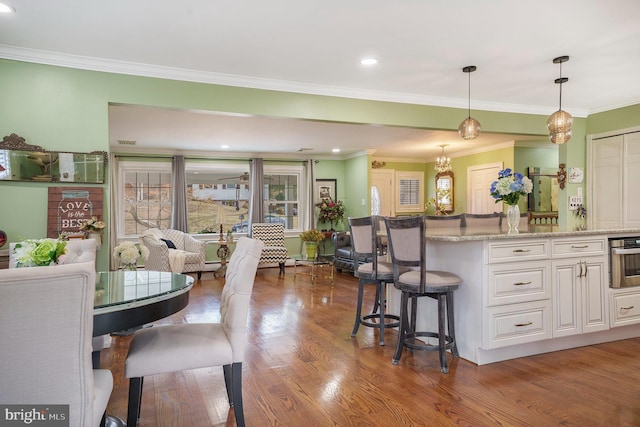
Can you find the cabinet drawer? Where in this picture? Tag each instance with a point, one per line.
(518, 251)
(518, 324)
(530, 281)
(625, 308)
(561, 248)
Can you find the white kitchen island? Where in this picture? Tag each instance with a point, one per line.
(542, 290)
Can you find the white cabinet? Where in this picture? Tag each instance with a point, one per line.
(612, 185)
(625, 306)
(517, 304)
(579, 286)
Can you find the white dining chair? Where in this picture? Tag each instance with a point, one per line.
(171, 348)
(46, 318)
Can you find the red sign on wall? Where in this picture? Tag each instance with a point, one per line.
(69, 207)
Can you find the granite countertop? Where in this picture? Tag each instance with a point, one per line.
(525, 232)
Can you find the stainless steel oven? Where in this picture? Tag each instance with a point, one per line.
(625, 262)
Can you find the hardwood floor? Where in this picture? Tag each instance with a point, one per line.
(303, 368)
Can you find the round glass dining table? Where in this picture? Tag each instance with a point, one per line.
(128, 299)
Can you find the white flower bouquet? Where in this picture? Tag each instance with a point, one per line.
(129, 252)
(38, 253)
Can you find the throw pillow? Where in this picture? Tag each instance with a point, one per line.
(169, 243)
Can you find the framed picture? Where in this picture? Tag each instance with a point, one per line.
(325, 188)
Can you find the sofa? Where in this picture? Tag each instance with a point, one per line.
(343, 251)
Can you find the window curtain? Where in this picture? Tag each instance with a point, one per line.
(114, 185)
(179, 195)
(256, 204)
(310, 185)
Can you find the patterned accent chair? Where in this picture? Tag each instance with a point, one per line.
(274, 251)
(194, 250)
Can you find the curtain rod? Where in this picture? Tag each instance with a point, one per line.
(169, 157)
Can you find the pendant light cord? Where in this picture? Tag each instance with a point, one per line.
(560, 109)
(469, 98)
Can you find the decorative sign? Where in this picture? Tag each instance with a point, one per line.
(69, 207)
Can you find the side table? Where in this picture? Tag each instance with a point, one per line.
(316, 264)
(223, 252)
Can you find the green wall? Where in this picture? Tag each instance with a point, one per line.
(66, 109)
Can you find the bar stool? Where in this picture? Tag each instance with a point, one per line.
(368, 268)
(407, 244)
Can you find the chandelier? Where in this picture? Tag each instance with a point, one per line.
(443, 163)
(470, 127)
(559, 123)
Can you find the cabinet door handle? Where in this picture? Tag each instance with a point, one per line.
(580, 272)
(579, 247)
(586, 269)
(627, 308)
(521, 250)
(522, 283)
(519, 325)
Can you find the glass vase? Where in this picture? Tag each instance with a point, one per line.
(128, 267)
(311, 249)
(513, 218)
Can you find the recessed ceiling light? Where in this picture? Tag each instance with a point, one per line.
(336, 150)
(224, 146)
(369, 61)
(5, 8)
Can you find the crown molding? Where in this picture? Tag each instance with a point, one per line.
(182, 74)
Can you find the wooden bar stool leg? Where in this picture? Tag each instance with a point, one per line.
(380, 287)
(404, 322)
(451, 325)
(356, 325)
(442, 336)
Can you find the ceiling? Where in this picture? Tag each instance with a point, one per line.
(315, 47)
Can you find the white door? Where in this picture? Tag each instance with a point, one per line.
(383, 179)
(479, 179)
(607, 182)
(630, 180)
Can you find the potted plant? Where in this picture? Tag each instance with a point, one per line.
(330, 211)
(92, 229)
(312, 238)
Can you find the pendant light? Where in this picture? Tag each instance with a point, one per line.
(559, 123)
(443, 163)
(470, 127)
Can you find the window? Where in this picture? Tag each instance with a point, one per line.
(281, 195)
(410, 191)
(217, 194)
(5, 165)
(145, 196)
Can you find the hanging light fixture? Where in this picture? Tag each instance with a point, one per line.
(443, 163)
(470, 127)
(559, 123)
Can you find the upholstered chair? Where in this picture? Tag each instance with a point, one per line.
(443, 221)
(173, 250)
(407, 245)
(482, 220)
(79, 250)
(46, 315)
(274, 251)
(371, 268)
(170, 348)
